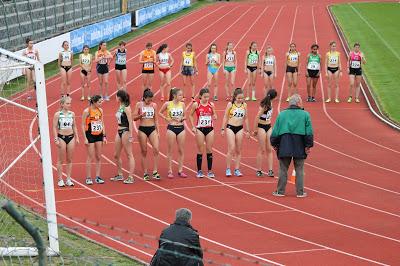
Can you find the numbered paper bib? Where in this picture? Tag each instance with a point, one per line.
(103, 61)
(164, 61)
(118, 115)
(355, 64)
(85, 61)
(205, 121)
(148, 65)
(230, 57)
(239, 113)
(313, 66)
(268, 115)
(187, 61)
(253, 61)
(66, 56)
(269, 62)
(293, 58)
(148, 112)
(176, 112)
(333, 60)
(65, 122)
(96, 127)
(121, 60)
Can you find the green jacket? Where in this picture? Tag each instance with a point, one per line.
(292, 133)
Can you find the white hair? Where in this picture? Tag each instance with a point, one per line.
(183, 214)
(295, 99)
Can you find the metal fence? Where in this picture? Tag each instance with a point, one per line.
(42, 19)
(136, 4)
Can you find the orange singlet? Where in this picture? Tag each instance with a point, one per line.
(94, 122)
(149, 58)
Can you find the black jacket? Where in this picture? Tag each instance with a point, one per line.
(292, 133)
(179, 245)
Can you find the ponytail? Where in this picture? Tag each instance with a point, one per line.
(147, 93)
(94, 99)
(266, 102)
(173, 92)
(124, 97)
(161, 48)
(236, 93)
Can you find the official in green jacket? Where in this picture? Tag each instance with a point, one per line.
(292, 138)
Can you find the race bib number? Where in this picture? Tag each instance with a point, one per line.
(269, 62)
(148, 112)
(187, 61)
(121, 60)
(253, 61)
(333, 60)
(103, 61)
(96, 126)
(268, 115)
(85, 61)
(293, 58)
(230, 57)
(164, 61)
(313, 66)
(65, 122)
(118, 115)
(66, 57)
(176, 112)
(355, 64)
(148, 65)
(205, 121)
(239, 113)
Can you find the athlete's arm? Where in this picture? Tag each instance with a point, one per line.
(97, 57)
(226, 114)
(104, 126)
(91, 63)
(37, 55)
(84, 116)
(326, 64)
(207, 60)
(214, 111)
(156, 118)
(195, 62)
(224, 59)
(162, 110)
(59, 60)
(364, 61)
(141, 58)
(74, 128)
(259, 113)
(172, 60)
(72, 59)
(245, 61)
(80, 61)
(55, 127)
(136, 115)
(246, 122)
(191, 114)
(275, 67)
(128, 112)
(235, 59)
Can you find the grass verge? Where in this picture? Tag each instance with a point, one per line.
(75, 250)
(375, 26)
(51, 69)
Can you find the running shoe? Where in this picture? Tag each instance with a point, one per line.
(247, 98)
(328, 100)
(237, 172)
(215, 98)
(146, 177)
(129, 180)
(170, 175)
(259, 173)
(89, 181)
(228, 172)
(82, 98)
(271, 173)
(88, 98)
(277, 194)
(350, 99)
(162, 98)
(182, 175)
(287, 99)
(308, 99)
(357, 100)
(106, 98)
(313, 99)
(117, 178)
(210, 174)
(29, 98)
(99, 180)
(337, 101)
(254, 99)
(156, 175)
(200, 174)
(302, 195)
(61, 183)
(69, 182)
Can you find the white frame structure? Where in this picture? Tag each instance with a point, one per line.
(51, 214)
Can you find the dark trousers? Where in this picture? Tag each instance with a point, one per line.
(283, 169)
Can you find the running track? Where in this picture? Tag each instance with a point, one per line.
(352, 214)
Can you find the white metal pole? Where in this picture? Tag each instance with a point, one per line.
(46, 157)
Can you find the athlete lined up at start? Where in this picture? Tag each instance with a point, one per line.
(255, 61)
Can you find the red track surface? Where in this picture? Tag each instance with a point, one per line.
(352, 214)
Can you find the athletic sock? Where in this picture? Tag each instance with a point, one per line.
(199, 161)
(209, 161)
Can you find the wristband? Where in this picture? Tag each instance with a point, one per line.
(104, 136)
(56, 139)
